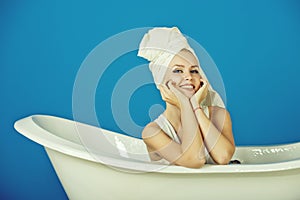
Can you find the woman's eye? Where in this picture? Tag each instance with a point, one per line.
(177, 71)
(195, 71)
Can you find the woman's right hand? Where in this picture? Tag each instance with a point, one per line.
(168, 96)
(172, 95)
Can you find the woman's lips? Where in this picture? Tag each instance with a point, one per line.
(187, 87)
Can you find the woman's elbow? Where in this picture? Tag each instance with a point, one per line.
(225, 157)
(198, 164)
(194, 163)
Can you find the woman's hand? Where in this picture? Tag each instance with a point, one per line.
(172, 95)
(201, 94)
(168, 95)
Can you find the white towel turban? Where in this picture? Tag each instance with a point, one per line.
(159, 46)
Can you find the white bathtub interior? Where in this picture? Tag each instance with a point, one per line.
(116, 149)
(95, 140)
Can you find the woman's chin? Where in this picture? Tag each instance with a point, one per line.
(188, 93)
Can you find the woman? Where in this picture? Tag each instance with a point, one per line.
(195, 121)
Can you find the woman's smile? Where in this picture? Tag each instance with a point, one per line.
(188, 86)
(188, 89)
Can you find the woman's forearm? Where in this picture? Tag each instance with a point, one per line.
(219, 147)
(192, 142)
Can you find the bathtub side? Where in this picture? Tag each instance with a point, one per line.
(268, 154)
(58, 134)
(83, 179)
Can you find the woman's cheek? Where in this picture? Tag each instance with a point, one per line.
(176, 80)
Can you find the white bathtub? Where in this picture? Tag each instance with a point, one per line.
(265, 172)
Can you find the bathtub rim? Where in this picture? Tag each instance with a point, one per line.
(30, 129)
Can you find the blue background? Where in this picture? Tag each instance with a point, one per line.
(255, 44)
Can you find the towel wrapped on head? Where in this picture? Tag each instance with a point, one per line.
(159, 46)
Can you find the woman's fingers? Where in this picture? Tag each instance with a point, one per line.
(167, 94)
(203, 83)
(166, 91)
(202, 92)
(202, 88)
(173, 88)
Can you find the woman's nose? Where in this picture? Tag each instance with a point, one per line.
(187, 76)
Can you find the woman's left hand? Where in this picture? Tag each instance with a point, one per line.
(200, 95)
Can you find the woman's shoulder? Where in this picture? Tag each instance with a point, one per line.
(217, 109)
(147, 134)
(219, 116)
(150, 130)
(218, 113)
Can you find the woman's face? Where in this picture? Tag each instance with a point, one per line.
(184, 71)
